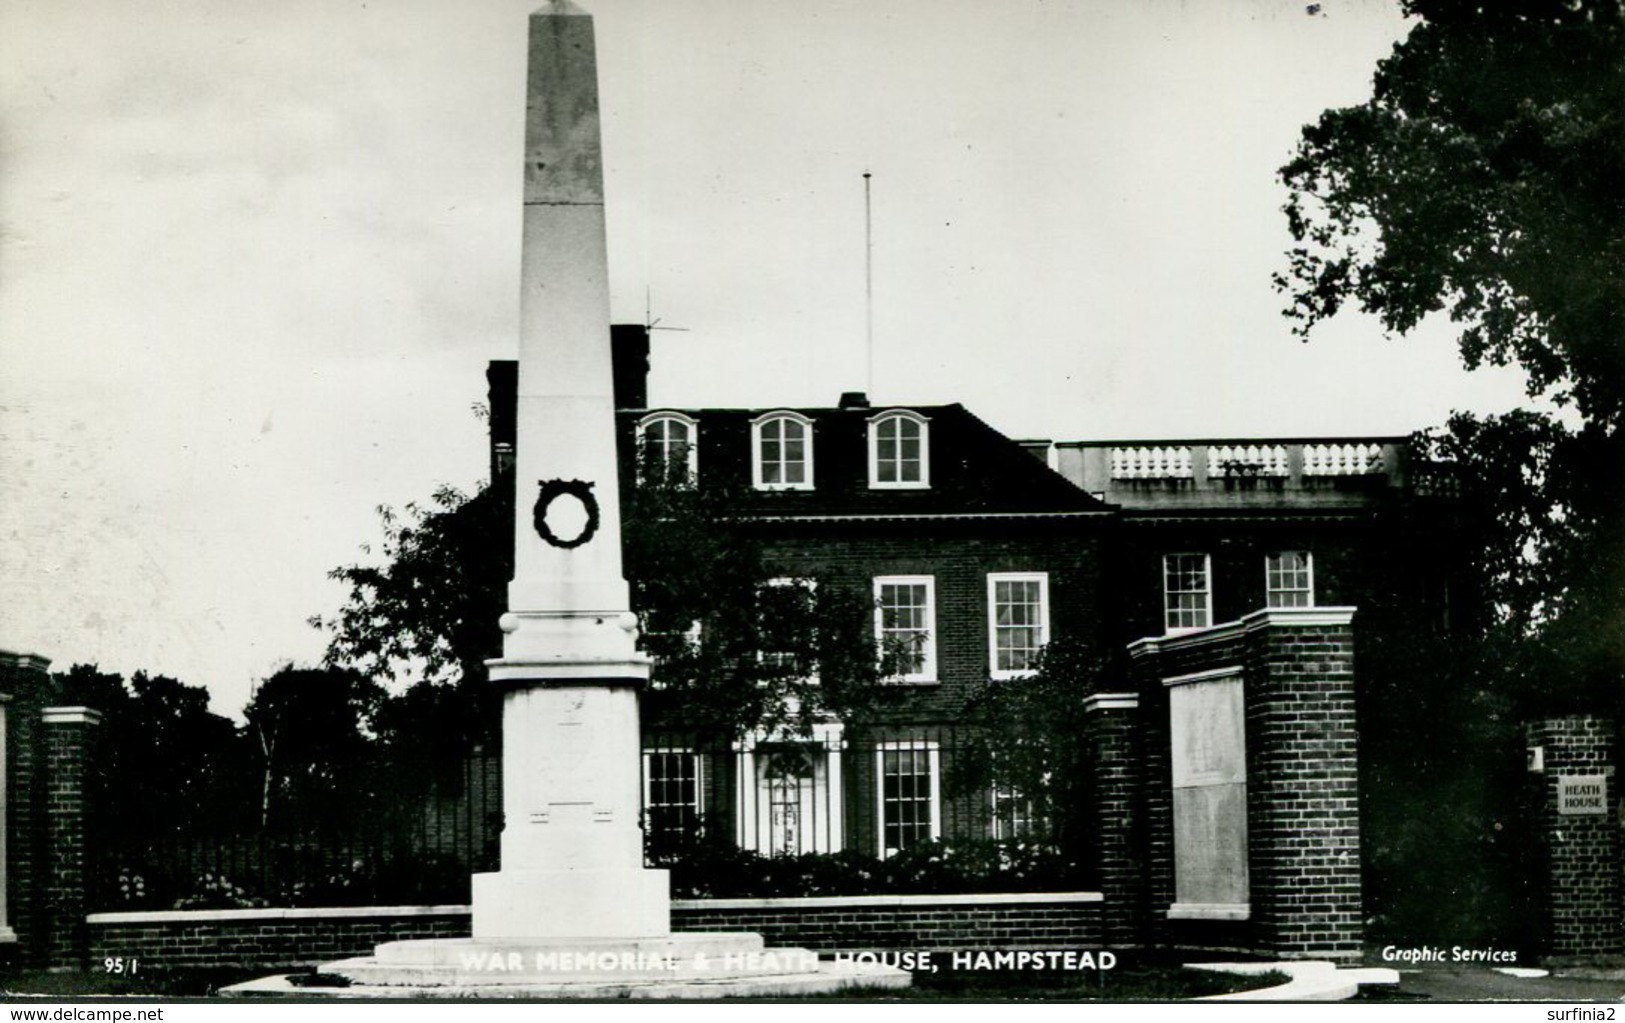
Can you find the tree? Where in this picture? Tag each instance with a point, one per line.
(1031, 744)
(1485, 177)
(427, 614)
(429, 611)
(737, 647)
(165, 760)
(312, 727)
(733, 653)
(1543, 508)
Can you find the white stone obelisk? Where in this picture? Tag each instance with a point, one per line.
(572, 913)
(572, 846)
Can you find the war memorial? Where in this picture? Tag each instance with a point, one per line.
(1224, 767)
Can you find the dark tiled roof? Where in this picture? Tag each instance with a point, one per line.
(974, 469)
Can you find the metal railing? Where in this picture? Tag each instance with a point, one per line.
(875, 791)
(853, 809)
(387, 838)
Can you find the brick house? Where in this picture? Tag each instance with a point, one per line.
(1222, 778)
(1211, 530)
(975, 555)
(977, 550)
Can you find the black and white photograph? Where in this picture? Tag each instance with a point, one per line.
(1049, 501)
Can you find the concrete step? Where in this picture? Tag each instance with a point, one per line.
(505, 967)
(461, 952)
(827, 979)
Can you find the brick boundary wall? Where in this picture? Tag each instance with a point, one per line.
(269, 938)
(905, 921)
(24, 689)
(1302, 755)
(1582, 850)
(286, 938)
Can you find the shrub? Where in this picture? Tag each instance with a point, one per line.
(715, 868)
(132, 888)
(216, 891)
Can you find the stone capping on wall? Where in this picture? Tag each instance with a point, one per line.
(1111, 701)
(1252, 622)
(25, 661)
(1213, 675)
(1209, 911)
(878, 901)
(165, 916)
(168, 916)
(70, 716)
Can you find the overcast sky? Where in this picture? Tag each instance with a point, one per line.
(254, 258)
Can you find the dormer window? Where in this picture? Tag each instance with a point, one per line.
(899, 450)
(669, 442)
(782, 452)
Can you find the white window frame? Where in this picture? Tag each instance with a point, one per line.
(993, 579)
(699, 779)
(928, 663)
(1019, 825)
(1309, 571)
(656, 418)
(1207, 592)
(933, 766)
(762, 422)
(897, 416)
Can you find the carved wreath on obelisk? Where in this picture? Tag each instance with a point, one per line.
(553, 490)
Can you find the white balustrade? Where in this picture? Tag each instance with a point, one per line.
(1151, 462)
(1247, 459)
(1355, 459)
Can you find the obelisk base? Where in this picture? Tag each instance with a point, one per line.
(524, 904)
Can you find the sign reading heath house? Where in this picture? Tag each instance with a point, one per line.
(1582, 794)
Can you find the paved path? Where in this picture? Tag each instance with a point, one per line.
(1481, 985)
